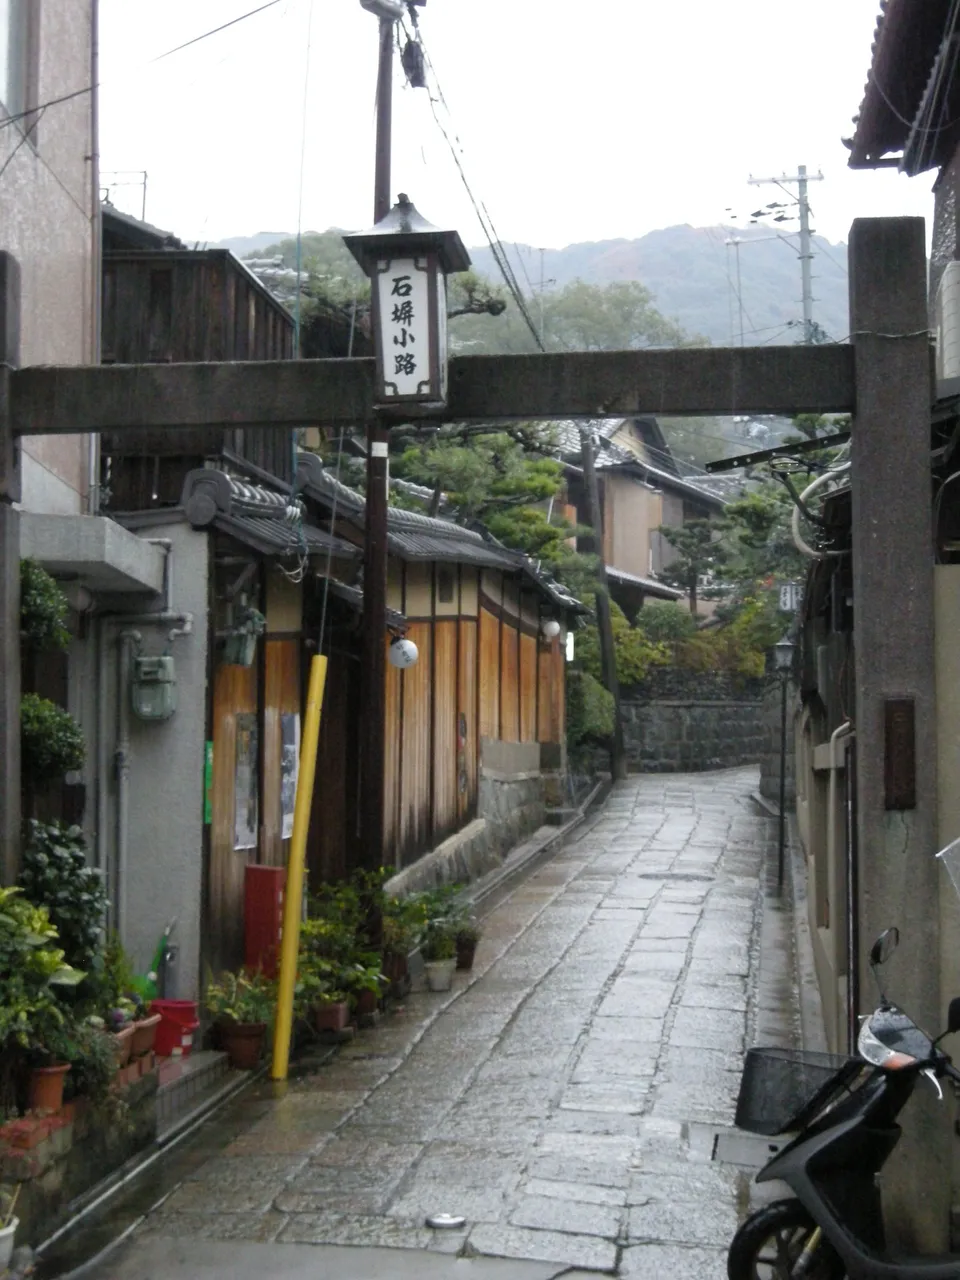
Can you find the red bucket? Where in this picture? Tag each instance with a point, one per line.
(178, 1022)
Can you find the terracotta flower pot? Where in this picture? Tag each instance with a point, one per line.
(466, 950)
(332, 1016)
(123, 1042)
(145, 1035)
(367, 1002)
(395, 966)
(243, 1042)
(46, 1087)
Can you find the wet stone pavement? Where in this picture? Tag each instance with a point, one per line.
(564, 1096)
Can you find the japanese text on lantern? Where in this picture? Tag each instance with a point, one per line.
(404, 310)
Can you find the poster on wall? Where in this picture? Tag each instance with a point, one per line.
(289, 769)
(245, 783)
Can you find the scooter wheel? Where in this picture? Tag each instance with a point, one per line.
(769, 1243)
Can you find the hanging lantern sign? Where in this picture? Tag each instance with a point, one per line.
(408, 260)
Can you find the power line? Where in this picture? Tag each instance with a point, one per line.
(78, 93)
(486, 222)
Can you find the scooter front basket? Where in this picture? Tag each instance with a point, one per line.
(782, 1090)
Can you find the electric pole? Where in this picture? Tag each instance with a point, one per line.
(735, 241)
(373, 671)
(608, 653)
(800, 179)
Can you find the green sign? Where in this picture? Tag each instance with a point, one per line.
(208, 782)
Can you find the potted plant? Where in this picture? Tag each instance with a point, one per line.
(318, 998)
(364, 984)
(8, 1226)
(242, 1006)
(468, 935)
(438, 946)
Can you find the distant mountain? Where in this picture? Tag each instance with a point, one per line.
(692, 274)
(241, 246)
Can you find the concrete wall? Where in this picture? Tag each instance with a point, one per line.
(631, 513)
(164, 866)
(771, 727)
(48, 221)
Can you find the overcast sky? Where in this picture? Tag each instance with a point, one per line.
(578, 121)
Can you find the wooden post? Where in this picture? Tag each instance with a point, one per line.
(895, 710)
(9, 578)
(608, 655)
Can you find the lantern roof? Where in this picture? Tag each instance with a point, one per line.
(405, 232)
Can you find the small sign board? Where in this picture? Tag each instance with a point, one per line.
(791, 596)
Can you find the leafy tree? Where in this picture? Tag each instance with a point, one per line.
(635, 652)
(701, 554)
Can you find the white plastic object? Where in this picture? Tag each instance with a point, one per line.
(403, 653)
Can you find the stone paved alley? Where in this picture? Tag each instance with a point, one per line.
(563, 1098)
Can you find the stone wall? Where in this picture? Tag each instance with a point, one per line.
(688, 721)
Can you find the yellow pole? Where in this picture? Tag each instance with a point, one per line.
(293, 897)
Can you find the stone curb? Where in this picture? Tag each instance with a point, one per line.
(490, 890)
(811, 1012)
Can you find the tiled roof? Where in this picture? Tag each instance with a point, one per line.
(650, 585)
(414, 536)
(269, 522)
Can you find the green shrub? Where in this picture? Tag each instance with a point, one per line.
(663, 622)
(55, 874)
(51, 743)
(636, 653)
(43, 609)
(589, 709)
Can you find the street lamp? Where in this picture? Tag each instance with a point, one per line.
(783, 652)
(408, 260)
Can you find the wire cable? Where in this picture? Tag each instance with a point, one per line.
(78, 93)
(480, 209)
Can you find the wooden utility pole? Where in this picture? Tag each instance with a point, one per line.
(9, 577)
(373, 676)
(608, 655)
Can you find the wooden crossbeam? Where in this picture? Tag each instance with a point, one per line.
(121, 398)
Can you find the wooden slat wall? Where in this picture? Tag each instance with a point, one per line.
(281, 696)
(333, 841)
(445, 696)
(489, 675)
(509, 683)
(415, 822)
(550, 669)
(235, 691)
(467, 763)
(391, 784)
(528, 688)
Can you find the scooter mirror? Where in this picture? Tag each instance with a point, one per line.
(953, 1016)
(884, 947)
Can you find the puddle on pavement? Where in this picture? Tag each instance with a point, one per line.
(148, 1189)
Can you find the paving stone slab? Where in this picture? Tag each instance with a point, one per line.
(546, 1213)
(560, 1247)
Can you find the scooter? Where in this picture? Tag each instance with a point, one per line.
(844, 1113)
